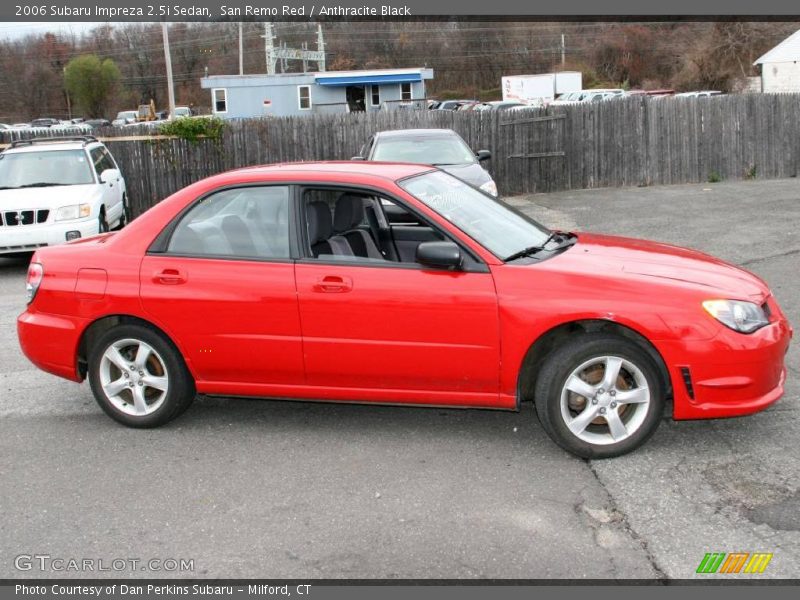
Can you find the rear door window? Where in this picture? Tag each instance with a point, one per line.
(248, 222)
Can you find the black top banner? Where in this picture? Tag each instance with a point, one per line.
(282, 10)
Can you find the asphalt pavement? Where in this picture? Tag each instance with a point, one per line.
(259, 488)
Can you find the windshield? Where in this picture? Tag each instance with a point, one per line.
(439, 150)
(127, 114)
(493, 224)
(51, 167)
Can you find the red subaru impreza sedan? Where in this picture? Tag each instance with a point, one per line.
(398, 283)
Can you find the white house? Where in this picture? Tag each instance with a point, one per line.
(780, 67)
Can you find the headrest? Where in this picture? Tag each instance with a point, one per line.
(320, 223)
(349, 212)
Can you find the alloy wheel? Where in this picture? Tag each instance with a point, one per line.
(605, 400)
(133, 377)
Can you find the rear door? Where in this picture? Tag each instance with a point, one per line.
(113, 189)
(223, 288)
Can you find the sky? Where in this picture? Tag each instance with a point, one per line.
(18, 30)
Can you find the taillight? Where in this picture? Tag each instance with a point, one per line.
(35, 275)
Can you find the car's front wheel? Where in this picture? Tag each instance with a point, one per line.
(138, 377)
(599, 396)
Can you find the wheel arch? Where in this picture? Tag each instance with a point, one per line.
(102, 324)
(557, 335)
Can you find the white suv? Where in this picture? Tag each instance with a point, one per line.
(54, 190)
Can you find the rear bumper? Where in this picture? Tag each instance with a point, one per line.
(51, 342)
(27, 238)
(732, 374)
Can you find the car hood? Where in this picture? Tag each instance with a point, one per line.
(47, 197)
(664, 262)
(474, 174)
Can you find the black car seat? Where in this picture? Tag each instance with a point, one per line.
(186, 241)
(347, 218)
(320, 232)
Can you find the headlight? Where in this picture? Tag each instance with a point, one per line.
(741, 316)
(74, 211)
(490, 187)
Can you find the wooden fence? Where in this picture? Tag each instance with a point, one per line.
(635, 141)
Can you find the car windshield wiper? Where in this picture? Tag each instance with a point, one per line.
(8, 187)
(531, 250)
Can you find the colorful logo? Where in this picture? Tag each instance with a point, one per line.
(734, 562)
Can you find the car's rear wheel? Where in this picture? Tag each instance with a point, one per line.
(599, 396)
(138, 377)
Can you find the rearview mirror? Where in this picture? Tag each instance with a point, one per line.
(483, 155)
(442, 255)
(109, 175)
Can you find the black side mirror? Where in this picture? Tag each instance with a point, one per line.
(483, 155)
(441, 255)
(358, 158)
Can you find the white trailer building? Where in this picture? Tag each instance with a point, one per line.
(780, 67)
(542, 88)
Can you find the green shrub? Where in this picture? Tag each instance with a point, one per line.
(194, 129)
(714, 177)
(751, 172)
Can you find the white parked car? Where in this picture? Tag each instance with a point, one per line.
(55, 190)
(700, 94)
(125, 117)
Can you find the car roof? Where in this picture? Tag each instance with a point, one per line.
(54, 145)
(385, 170)
(415, 133)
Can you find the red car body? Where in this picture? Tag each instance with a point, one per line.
(296, 329)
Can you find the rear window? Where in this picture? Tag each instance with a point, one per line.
(46, 168)
(438, 150)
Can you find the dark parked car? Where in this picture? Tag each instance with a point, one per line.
(454, 104)
(44, 122)
(97, 123)
(442, 148)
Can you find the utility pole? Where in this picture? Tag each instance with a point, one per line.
(563, 51)
(66, 93)
(241, 53)
(269, 48)
(320, 48)
(168, 60)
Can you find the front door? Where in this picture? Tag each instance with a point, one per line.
(224, 290)
(355, 95)
(388, 330)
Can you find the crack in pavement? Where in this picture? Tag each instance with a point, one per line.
(770, 257)
(661, 575)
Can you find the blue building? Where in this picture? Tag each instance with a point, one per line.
(287, 94)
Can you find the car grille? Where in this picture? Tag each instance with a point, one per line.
(15, 218)
(23, 248)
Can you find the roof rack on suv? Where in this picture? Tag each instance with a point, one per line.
(86, 139)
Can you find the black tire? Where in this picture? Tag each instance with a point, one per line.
(558, 367)
(180, 390)
(102, 223)
(123, 219)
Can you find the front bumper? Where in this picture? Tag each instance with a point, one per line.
(27, 238)
(729, 375)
